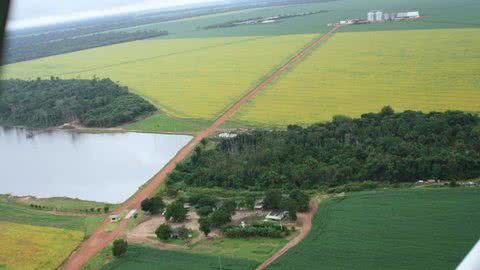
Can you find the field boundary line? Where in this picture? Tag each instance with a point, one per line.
(100, 239)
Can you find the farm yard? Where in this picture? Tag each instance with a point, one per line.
(426, 229)
(35, 247)
(359, 72)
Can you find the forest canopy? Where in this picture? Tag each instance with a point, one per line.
(384, 147)
(46, 103)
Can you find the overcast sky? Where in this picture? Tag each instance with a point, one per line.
(27, 13)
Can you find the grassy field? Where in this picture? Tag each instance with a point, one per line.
(257, 249)
(187, 78)
(35, 247)
(410, 229)
(17, 213)
(355, 73)
(59, 203)
(139, 257)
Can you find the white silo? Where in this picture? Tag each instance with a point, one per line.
(379, 16)
(371, 16)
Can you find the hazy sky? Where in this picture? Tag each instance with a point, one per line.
(26, 13)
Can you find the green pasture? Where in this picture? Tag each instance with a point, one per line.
(139, 257)
(22, 214)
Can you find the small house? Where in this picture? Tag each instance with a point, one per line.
(115, 218)
(276, 215)
(258, 205)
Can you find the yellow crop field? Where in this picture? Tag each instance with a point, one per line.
(355, 73)
(35, 247)
(190, 78)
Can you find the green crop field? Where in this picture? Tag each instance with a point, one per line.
(359, 72)
(35, 247)
(139, 257)
(410, 229)
(187, 78)
(257, 249)
(16, 213)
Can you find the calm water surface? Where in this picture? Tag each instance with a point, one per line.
(107, 167)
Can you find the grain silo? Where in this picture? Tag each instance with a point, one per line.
(371, 16)
(379, 16)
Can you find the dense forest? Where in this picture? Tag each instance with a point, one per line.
(36, 46)
(46, 103)
(386, 146)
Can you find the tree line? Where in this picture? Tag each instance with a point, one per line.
(381, 147)
(46, 103)
(36, 46)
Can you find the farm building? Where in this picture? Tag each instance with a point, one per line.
(379, 16)
(258, 205)
(276, 215)
(408, 15)
(115, 218)
(371, 16)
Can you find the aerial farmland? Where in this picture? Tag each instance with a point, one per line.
(266, 135)
(358, 72)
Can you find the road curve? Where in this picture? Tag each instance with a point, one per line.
(306, 218)
(100, 239)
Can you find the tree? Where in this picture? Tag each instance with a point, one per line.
(302, 200)
(272, 200)
(157, 205)
(230, 206)
(204, 211)
(106, 208)
(387, 111)
(220, 217)
(153, 205)
(205, 225)
(146, 205)
(163, 232)
(250, 202)
(291, 207)
(119, 247)
(176, 212)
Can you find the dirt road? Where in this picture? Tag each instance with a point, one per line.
(306, 219)
(99, 239)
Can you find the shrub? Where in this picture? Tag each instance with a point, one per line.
(205, 225)
(272, 199)
(220, 217)
(119, 247)
(263, 229)
(163, 232)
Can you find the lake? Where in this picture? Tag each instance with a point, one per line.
(105, 167)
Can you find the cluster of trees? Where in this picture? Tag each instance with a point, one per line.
(153, 205)
(165, 232)
(37, 46)
(296, 201)
(46, 103)
(263, 229)
(381, 147)
(175, 211)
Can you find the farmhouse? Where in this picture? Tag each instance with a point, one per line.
(259, 205)
(276, 215)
